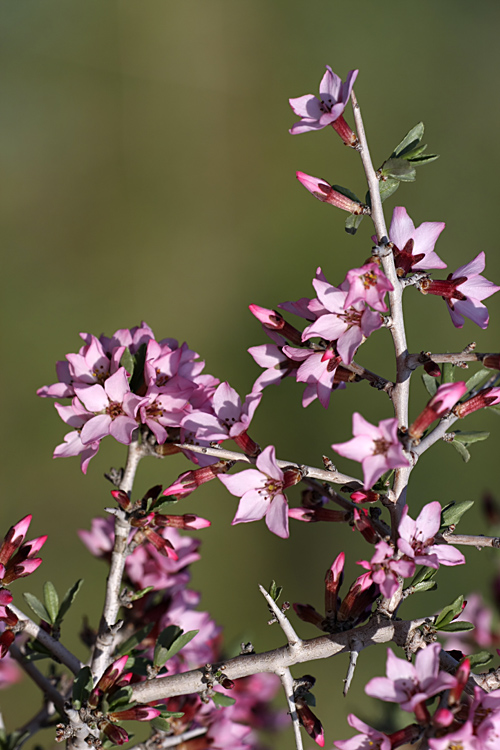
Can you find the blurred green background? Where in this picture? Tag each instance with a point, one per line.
(149, 175)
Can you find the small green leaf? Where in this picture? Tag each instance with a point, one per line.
(127, 361)
(345, 191)
(352, 223)
(171, 644)
(140, 594)
(37, 606)
(68, 599)
(424, 586)
(82, 687)
(473, 436)
(387, 188)
(161, 724)
(274, 591)
(477, 378)
(449, 612)
(399, 169)
(430, 383)
(410, 141)
(426, 159)
(164, 503)
(452, 513)
(135, 639)
(121, 699)
(455, 627)
(424, 574)
(51, 601)
(461, 449)
(448, 373)
(481, 659)
(222, 700)
(309, 699)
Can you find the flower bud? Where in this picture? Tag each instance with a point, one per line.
(325, 193)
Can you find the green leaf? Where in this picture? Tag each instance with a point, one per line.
(127, 361)
(399, 169)
(410, 141)
(140, 594)
(424, 586)
(448, 371)
(37, 606)
(455, 627)
(452, 513)
(82, 687)
(477, 378)
(424, 574)
(473, 436)
(387, 188)
(164, 503)
(461, 449)
(161, 724)
(430, 383)
(345, 191)
(121, 699)
(222, 700)
(481, 659)
(352, 223)
(274, 591)
(170, 642)
(68, 599)
(418, 160)
(449, 612)
(51, 601)
(135, 639)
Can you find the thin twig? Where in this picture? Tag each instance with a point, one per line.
(293, 639)
(437, 433)
(335, 477)
(472, 540)
(353, 658)
(163, 742)
(107, 629)
(58, 651)
(287, 681)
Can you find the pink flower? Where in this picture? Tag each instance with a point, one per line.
(464, 291)
(318, 113)
(369, 737)
(317, 370)
(261, 493)
(114, 408)
(409, 685)
(368, 284)
(378, 448)
(275, 363)
(385, 569)
(348, 326)
(416, 538)
(414, 248)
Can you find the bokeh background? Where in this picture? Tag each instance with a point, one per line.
(148, 175)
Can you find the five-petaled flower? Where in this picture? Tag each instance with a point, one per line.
(378, 448)
(414, 247)
(261, 493)
(416, 538)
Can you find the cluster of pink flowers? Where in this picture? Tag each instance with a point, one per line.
(458, 721)
(172, 602)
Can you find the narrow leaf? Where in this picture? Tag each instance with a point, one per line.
(418, 160)
(161, 724)
(473, 436)
(387, 188)
(461, 449)
(448, 371)
(399, 169)
(477, 378)
(135, 639)
(37, 606)
(449, 612)
(425, 586)
(481, 659)
(345, 191)
(82, 687)
(424, 574)
(176, 646)
(68, 599)
(455, 627)
(352, 223)
(452, 513)
(222, 700)
(410, 141)
(430, 384)
(51, 601)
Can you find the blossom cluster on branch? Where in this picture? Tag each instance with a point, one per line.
(155, 657)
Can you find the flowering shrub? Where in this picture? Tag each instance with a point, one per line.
(155, 657)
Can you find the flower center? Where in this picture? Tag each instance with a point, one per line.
(380, 446)
(115, 410)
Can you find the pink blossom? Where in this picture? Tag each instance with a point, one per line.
(347, 326)
(443, 400)
(275, 363)
(462, 739)
(416, 538)
(317, 370)
(318, 113)
(261, 493)
(409, 684)
(414, 248)
(369, 737)
(378, 448)
(464, 291)
(17, 559)
(385, 569)
(368, 284)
